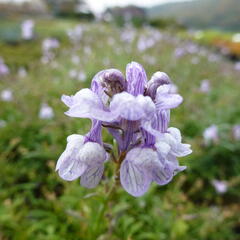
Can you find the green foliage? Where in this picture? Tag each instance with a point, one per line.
(10, 31)
(200, 14)
(163, 23)
(69, 9)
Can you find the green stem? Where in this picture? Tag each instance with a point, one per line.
(109, 195)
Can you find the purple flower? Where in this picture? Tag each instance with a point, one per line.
(210, 134)
(145, 43)
(153, 163)
(237, 66)
(220, 186)
(205, 86)
(128, 35)
(6, 95)
(4, 70)
(49, 43)
(46, 112)
(136, 112)
(236, 132)
(158, 79)
(84, 157)
(180, 52)
(75, 34)
(27, 29)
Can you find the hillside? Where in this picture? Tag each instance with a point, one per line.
(220, 14)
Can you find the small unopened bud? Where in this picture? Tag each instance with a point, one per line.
(158, 79)
(114, 81)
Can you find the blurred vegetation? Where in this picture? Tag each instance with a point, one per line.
(36, 204)
(125, 15)
(220, 41)
(163, 23)
(199, 14)
(70, 9)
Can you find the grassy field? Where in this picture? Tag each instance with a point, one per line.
(36, 204)
(228, 43)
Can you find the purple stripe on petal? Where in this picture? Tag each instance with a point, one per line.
(163, 175)
(92, 176)
(136, 78)
(134, 179)
(95, 134)
(164, 118)
(71, 169)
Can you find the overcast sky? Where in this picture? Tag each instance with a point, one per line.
(100, 5)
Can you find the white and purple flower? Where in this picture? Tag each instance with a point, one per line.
(6, 95)
(221, 187)
(27, 28)
(136, 112)
(236, 132)
(4, 70)
(210, 134)
(84, 157)
(48, 45)
(205, 86)
(46, 112)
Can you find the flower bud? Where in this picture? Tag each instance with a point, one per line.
(114, 81)
(158, 79)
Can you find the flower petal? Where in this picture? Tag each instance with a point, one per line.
(68, 100)
(158, 79)
(69, 166)
(162, 147)
(96, 85)
(175, 133)
(71, 169)
(92, 154)
(136, 78)
(131, 108)
(164, 119)
(163, 89)
(75, 142)
(92, 176)
(109, 80)
(173, 164)
(162, 175)
(86, 104)
(124, 105)
(170, 167)
(168, 101)
(136, 170)
(134, 179)
(173, 138)
(183, 150)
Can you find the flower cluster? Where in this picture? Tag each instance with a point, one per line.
(136, 112)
